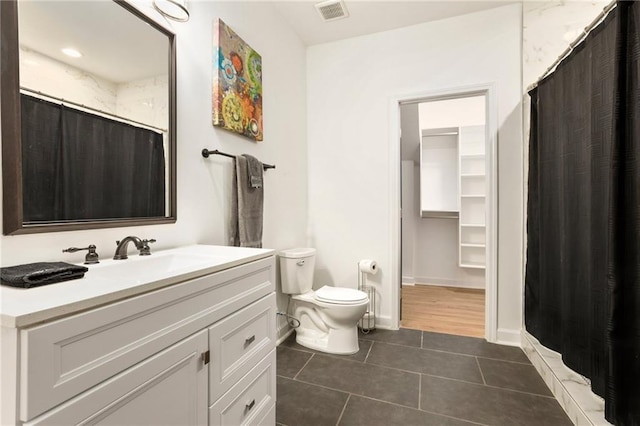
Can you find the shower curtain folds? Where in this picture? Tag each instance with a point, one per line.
(81, 166)
(582, 285)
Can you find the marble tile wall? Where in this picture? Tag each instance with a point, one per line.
(144, 100)
(572, 390)
(54, 78)
(547, 29)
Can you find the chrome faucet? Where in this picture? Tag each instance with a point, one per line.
(142, 245)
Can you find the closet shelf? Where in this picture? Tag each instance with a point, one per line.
(440, 214)
(471, 156)
(473, 225)
(473, 196)
(473, 245)
(472, 175)
(472, 265)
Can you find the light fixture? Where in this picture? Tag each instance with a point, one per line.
(70, 51)
(173, 9)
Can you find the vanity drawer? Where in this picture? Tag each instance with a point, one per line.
(250, 400)
(63, 358)
(238, 342)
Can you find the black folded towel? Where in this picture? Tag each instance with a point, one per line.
(40, 273)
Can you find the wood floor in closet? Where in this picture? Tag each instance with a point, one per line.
(449, 310)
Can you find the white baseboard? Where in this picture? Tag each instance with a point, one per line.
(408, 281)
(283, 333)
(509, 337)
(384, 323)
(445, 282)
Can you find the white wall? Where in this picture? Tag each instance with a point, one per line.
(409, 220)
(469, 111)
(203, 183)
(410, 155)
(350, 84)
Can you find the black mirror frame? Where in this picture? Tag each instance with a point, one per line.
(13, 223)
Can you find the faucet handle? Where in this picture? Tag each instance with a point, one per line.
(146, 250)
(91, 257)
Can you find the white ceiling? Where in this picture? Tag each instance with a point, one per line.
(84, 24)
(368, 17)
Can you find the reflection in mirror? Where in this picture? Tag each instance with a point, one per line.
(97, 117)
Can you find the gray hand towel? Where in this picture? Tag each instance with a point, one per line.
(232, 230)
(245, 219)
(41, 273)
(255, 169)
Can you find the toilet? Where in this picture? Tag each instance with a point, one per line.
(328, 316)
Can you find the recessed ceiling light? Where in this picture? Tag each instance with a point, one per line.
(70, 51)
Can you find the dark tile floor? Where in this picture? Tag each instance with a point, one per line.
(410, 377)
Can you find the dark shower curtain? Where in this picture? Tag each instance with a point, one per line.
(81, 166)
(582, 285)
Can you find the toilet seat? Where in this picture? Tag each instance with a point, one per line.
(340, 295)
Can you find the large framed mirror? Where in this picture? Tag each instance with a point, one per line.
(88, 116)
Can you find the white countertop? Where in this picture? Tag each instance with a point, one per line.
(113, 280)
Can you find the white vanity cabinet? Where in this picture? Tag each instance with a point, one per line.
(198, 351)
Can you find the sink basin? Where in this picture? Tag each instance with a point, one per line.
(164, 265)
(144, 267)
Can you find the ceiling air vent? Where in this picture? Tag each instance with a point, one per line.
(332, 10)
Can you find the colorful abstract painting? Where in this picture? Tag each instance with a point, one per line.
(237, 83)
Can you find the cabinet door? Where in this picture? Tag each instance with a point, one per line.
(169, 388)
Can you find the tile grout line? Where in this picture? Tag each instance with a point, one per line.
(356, 394)
(368, 352)
(451, 352)
(481, 373)
(439, 377)
(419, 372)
(344, 407)
(305, 364)
(389, 402)
(420, 392)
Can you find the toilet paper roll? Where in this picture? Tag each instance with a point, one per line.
(368, 266)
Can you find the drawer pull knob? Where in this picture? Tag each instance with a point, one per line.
(249, 340)
(250, 404)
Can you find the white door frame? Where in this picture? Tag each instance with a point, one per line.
(491, 165)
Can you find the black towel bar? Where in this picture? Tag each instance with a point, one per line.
(206, 153)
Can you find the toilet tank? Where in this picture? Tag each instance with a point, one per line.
(296, 270)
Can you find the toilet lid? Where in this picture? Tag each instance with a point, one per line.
(340, 295)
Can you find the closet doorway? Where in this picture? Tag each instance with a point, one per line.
(445, 196)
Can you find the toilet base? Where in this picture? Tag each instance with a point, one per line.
(338, 342)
